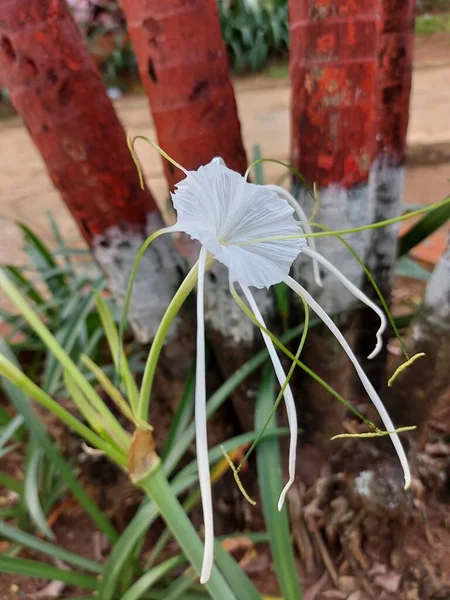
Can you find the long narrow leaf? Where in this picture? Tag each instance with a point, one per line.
(270, 483)
(35, 426)
(32, 568)
(67, 338)
(183, 414)
(54, 346)
(31, 490)
(151, 577)
(30, 541)
(117, 352)
(237, 579)
(44, 258)
(10, 429)
(424, 228)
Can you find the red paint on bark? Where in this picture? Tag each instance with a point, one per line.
(57, 90)
(184, 68)
(395, 51)
(333, 73)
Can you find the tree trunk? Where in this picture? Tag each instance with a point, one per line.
(416, 390)
(395, 49)
(184, 68)
(57, 90)
(333, 67)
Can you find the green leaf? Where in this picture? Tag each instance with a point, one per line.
(9, 430)
(270, 484)
(143, 584)
(425, 227)
(31, 489)
(117, 351)
(25, 284)
(67, 338)
(30, 541)
(183, 414)
(12, 484)
(237, 579)
(35, 426)
(43, 258)
(33, 568)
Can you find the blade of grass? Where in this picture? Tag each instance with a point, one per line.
(25, 284)
(117, 352)
(44, 258)
(237, 579)
(31, 489)
(143, 584)
(424, 228)
(30, 541)
(35, 426)
(53, 345)
(67, 337)
(33, 568)
(270, 483)
(183, 413)
(16, 376)
(11, 483)
(10, 429)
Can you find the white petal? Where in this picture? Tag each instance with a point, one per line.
(200, 426)
(296, 287)
(357, 293)
(288, 397)
(303, 222)
(216, 206)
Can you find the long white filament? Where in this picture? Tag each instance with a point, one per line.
(200, 425)
(303, 221)
(288, 397)
(356, 292)
(300, 290)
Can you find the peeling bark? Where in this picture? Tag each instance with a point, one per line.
(57, 90)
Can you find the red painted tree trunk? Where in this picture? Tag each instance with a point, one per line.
(57, 90)
(333, 66)
(394, 53)
(184, 68)
(350, 68)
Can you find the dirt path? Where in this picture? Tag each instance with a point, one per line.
(26, 193)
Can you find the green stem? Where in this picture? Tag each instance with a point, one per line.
(152, 360)
(158, 489)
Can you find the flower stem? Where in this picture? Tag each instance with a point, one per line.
(169, 316)
(146, 473)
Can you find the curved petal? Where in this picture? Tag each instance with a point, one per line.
(300, 290)
(356, 292)
(303, 222)
(200, 426)
(288, 397)
(217, 207)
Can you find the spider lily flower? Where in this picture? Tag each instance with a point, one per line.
(252, 230)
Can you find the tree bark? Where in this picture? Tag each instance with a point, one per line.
(416, 390)
(333, 67)
(394, 54)
(184, 68)
(57, 90)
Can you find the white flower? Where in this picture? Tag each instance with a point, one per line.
(230, 217)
